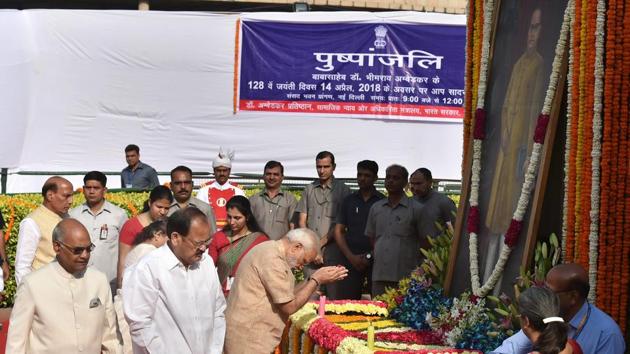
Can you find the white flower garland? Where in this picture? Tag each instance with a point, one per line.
(596, 151)
(567, 147)
(488, 13)
(477, 143)
(534, 160)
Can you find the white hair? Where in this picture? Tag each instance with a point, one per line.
(306, 237)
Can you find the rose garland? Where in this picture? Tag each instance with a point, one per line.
(511, 236)
(620, 216)
(408, 336)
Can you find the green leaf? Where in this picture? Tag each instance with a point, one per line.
(501, 312)
(553, 239)
(493, 299)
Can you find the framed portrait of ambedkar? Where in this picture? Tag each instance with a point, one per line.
(525, 36)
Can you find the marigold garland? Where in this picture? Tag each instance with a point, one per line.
(620, 303)
(579, 163)
(569, 239)
(624, 203)
(611, 248)
(604, 270)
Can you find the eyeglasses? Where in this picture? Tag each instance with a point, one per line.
(78, 250)
(198, 244)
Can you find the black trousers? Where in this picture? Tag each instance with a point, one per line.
(349, 288)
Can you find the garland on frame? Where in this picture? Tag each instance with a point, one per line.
(514, 230)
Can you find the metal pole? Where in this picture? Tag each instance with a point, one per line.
(4, 173)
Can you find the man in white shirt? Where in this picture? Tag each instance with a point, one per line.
(172, 297)
(35, 247)
(103, 220)
(219, 192)
(64, 307)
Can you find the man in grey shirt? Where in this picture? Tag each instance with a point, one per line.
(103, 220)
(321, 199)
(438, 208)
(273, 207)
(137, 175)
(182, 186)
(394, 227)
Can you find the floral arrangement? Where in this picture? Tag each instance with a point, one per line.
(463, 322)
(421, 299)
(362, 327)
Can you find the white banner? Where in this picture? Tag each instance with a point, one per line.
(77, 86)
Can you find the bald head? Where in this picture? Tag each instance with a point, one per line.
(68, 229)
(570, 276)
(72, 245)
(57, 193)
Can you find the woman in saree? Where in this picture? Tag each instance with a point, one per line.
(156, 208)
(230, 245)
(149, 239)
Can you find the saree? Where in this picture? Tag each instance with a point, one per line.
(228, 255)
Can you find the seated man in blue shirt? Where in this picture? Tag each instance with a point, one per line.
(592, 328)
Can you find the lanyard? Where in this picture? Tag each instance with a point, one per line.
(579, 329)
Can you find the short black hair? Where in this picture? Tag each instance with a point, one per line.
(181, 168)
(180, 221)
(402, 168)
(369, 165)
(95, 176)
(132, 147)
(274, 164)
(324, 154)
(425, 173)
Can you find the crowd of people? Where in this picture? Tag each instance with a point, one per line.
(214, 273)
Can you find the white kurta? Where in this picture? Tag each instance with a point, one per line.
(171, 309)
(54, 312)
